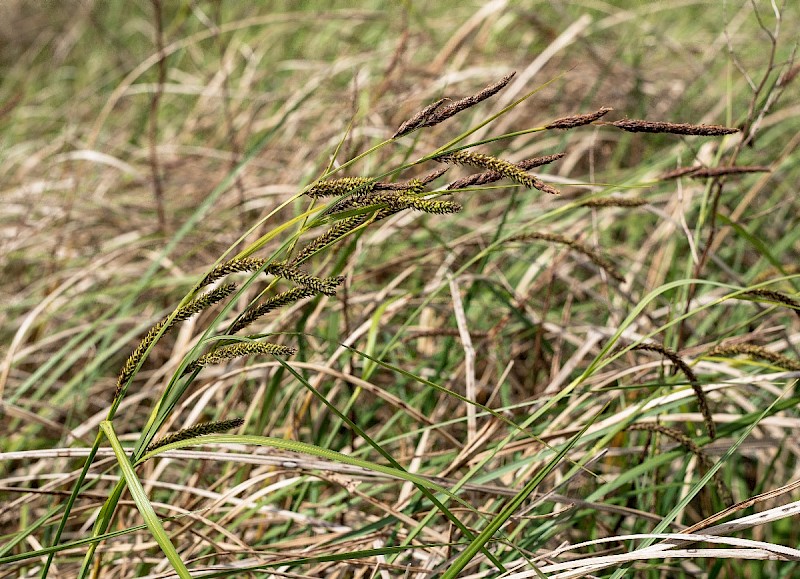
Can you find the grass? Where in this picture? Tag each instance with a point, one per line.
(417, 373)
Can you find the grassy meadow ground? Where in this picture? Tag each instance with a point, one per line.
(537, 385)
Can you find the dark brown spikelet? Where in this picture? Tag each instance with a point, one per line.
(593, 255)
(196, 431)
(225, 353)
(273, 303)
(702, 402)
(338, 187)
(566, 123)
(443, 113)
(639, 126)
(413, 186)
(196, 306)
(326, 286)
(491, 176)
(614, 202)
(774, 296)
(754, 351)
(708, 172)
(433, 175)
(418, 118)
(691, 446)
(233, 266)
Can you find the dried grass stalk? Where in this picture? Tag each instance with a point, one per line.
(593, 255)
(196, 431)
(573, 121)
(754, 351)
(640, 126)
(702, 402)
(491, 176)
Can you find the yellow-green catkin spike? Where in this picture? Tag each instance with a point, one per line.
(239, 350)
(195, 306)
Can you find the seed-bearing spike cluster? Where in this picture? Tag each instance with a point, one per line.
(338, 230)
(573, 121)
(456, 107)
(233, 266)
(614, 202)
(702, 402)
(196, 431)
(326, 286)
(367, 198)
(700, 172)
(283, 299)
(435, 113)
(777, 297)
(691, 446)
(640, 126)
(338, 187)
(594, 256)
(756, 352)
(491, 176)
(418, 118)
(194, 307)
(435, 206)
(203, 302)
(239, 350)
(500, 166)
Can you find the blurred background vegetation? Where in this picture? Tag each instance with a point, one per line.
(140, 140)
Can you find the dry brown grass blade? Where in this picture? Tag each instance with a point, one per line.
(740, 506)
